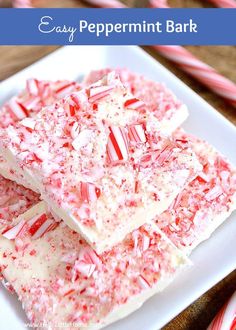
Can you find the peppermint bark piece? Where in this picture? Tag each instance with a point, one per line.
(29, 101)
(205, 203)
(60, 279)
(160, 101)
(35, 95)
(99, 162)
(14, 200)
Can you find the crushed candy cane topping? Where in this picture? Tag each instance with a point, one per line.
(205, 203)
(99, 153)
(63, 279)
(93, 146)
(25, 105)
(153, 96)
(37, 94)
(14, 200)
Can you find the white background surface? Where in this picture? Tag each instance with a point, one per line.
(213, 259)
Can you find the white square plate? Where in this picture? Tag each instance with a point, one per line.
(213, 259)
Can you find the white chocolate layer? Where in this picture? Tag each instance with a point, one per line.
(59, 278)
(205, 203)
(170, 112)
(98, 160)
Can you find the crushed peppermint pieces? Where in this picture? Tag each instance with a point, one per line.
(100, 154)
(78, 160)
(205, 203)
(74, 283)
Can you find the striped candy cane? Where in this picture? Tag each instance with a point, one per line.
(22, 4)
(183, 58)
(196, 68)
(106, 3)
(35, 227)
(226, 318)
(218, 3)
(224, 3)
(118, 4)
(200, 71)
(158, 4)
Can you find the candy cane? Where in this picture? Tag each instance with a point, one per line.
(186, 61)
(226, 318)
(35, 227)
(106, 3)
(134, 104)
(143, 282)
(117, 146)
(98, 92)
(32, 86)
(158, 4)
(40, 225)
(22, 4)
(136, 133)
(17, 108)
(218, 3)
(200, 71)
(64, 88)
(224, 3)
(15, 231)
(89, 192)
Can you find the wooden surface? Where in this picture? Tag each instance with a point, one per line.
(12, 59)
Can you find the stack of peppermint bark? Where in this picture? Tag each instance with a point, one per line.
(103, 196)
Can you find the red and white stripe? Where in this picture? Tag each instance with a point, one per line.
(141, 242)
(213, 193)
(136, 133)
(106, 3)
(164, 155)
(118, 4)
(184, 59)
(87, 262)
(117, 145)
(40, 225)
(32, 102)
(22, 4)
(88, 255)
(202, 177)
(158, 4)
(64, 88)
(134, 104)
(17, 109)
(143, 282)
(200, 71)
(218, 3)
(98, 92)
(224, 3)
(89, 192)
(35, 227)
(147, 160)
(73, 104)
(226, 318)
(15, 231)
(32, 86)
(176, 201)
